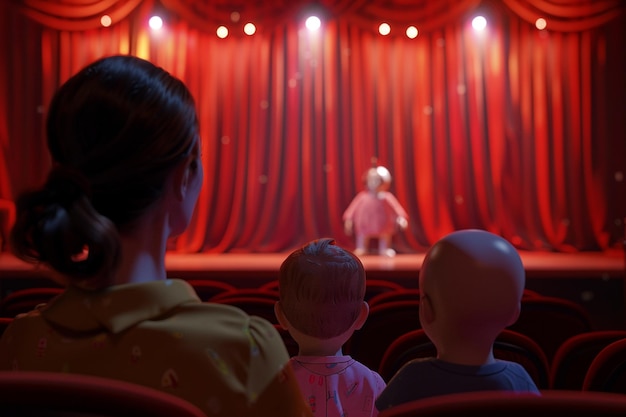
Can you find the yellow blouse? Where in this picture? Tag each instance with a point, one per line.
(160, 334)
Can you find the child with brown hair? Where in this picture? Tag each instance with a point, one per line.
(322, 290)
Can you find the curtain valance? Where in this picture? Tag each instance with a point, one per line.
(76, 15)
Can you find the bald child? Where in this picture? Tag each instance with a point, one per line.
(471, 285)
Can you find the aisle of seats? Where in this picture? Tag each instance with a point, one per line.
(554, 338)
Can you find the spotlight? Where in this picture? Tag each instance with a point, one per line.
(156, 22)
(384, 29)
(106, 21)
(313, 23)
(541, 23)
(479, 23)
(249, 29)
(222, 32)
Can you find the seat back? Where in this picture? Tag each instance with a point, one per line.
(397, 295)
(530, 293)
(510, 404)
(209, 288)
(517, 347)
(509, 345)
(272, 285)
(550, 321)
(246, 292)
(48, 394)
(4, 323)
(26, 299)
(607, 372)
(385, 323)
(380, 286)
(414, 344)
(573, 358)
(253, 305)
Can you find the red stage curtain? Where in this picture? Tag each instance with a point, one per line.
(515, 130)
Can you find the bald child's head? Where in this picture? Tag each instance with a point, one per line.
(471, 282)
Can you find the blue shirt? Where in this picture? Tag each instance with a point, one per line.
(422, 378)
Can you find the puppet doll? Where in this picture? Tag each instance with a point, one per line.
(375, 213)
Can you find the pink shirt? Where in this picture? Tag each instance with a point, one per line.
(336, 386)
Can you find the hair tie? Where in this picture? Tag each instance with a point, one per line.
(67, 184)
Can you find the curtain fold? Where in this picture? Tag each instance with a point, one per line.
(572, 16)
(75, 15)
(511, 130)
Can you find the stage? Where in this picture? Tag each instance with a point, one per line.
(249, 269)
(594, 279)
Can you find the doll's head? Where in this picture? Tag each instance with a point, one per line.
(322, 287)
(377, 179)
(471, 285)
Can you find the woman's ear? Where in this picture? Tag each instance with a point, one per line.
(362, 317)
(280, 316)
(180, 180)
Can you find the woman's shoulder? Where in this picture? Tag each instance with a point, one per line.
(221, 312)
(213, 318)
(232, 334)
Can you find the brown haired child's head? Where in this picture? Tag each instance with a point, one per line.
(322, 287)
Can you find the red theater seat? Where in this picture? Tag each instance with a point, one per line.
(607, 371)
(48, 394)
(550, 321)
(4, 323)
(208, 288)
(25, 300)
(509, 345)
(509, 404)
(246, 292)
(573, 358)
(411, 294)
(254, 306)
(385, 323)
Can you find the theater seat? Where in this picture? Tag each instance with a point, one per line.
(509, 345)
(411, 294)
(374, 287)
(254, 306)
(246, 292)
(55, 394)
(607, 372)
(550, 321)
(4, 323)
(385, 323)
(509, 404)
(573, 358)
(209, 288)
(25, 300)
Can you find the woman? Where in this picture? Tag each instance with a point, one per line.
(123, 135)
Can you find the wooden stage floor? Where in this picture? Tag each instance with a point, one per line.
(403, 267)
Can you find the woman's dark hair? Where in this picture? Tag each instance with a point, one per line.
(115, 131)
